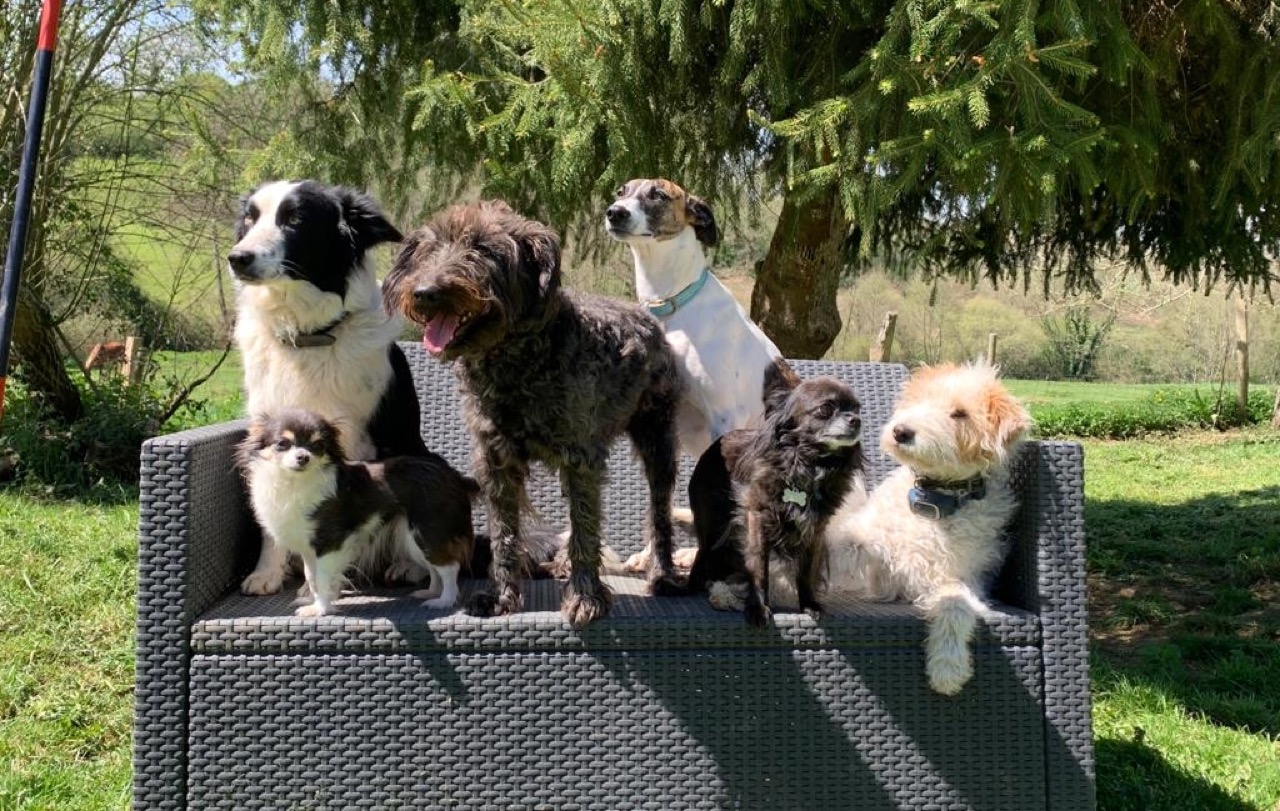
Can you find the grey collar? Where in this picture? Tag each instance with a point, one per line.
(935, 499)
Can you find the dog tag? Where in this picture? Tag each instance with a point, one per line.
(795, 497)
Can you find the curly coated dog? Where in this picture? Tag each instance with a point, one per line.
(546, 375)
(933, 531)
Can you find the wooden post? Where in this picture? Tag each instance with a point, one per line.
(131, 368)
(884, 341)
(992, 338)
(1242, 357)
(1275, 411)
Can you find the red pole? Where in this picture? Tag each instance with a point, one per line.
(46, 43)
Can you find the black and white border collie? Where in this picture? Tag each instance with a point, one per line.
(313, 334)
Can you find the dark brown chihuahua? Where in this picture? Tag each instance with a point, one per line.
(771, 490)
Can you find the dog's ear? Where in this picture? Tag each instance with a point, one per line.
(703, 221)
(779, 382)
(1010, 420)
(540, 248)
(369, 226)
(331, 441)
(247, 448)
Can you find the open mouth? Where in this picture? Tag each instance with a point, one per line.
(442, 329)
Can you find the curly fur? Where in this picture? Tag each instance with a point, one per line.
(951, 423)
(547, 376)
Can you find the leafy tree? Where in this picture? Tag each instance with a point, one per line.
(993, 139)
(116, 110)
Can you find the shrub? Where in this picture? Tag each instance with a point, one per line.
(101, 447)
(1164, 411)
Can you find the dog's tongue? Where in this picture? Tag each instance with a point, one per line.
(439, 332)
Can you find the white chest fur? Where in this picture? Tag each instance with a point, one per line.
(723, 354)
(285, 501)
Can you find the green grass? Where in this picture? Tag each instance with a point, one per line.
(1184, 561)
(1066, 392)
(67, 584)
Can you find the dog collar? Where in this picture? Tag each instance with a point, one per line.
(320, 337)
(936, 500)
(663, 307)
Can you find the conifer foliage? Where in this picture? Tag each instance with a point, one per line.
(1013, 140)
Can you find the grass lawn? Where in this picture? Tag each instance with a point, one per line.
(1184, 560)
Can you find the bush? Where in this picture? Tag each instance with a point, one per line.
(101, 447)
(1161, 413)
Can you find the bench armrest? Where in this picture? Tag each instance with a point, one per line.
(1045, 573)
(193, 516)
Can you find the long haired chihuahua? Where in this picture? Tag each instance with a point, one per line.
(325, 509)
(769, 492)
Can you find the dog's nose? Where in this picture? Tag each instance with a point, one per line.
(240, 260)
(902, 434)
(616, 214)
(426, 296)
(301, 458)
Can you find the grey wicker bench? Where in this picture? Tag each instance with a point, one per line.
(665, 705)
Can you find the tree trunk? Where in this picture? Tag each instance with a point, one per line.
(41, 361)
(794, 298)
(1275, 412)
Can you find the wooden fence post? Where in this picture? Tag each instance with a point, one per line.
(1242, 357)
(884, 341)
(131, 368)
(992, 338)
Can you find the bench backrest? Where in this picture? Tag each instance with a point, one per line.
(876, 384)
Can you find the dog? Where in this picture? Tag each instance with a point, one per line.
(771, 491)
(312, 332)
(545, 375)
(933, 531)
(726, 361)
(322, 507)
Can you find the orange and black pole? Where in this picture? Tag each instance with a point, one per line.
(45, 45)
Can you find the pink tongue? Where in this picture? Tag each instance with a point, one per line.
(439, 332)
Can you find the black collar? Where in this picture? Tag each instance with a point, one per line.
(935, 499)
(319, 337)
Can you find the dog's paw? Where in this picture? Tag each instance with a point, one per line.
(484, 604)
(637, 563)
(310, 610)
(585, 601)
(559, 566)
(666, 586)
(813, 608)
(262, 583)
(723, 598)
(425, 594)
(948, 675)
(683, 557)
(758, 614)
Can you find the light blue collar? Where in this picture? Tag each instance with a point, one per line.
(663, 307)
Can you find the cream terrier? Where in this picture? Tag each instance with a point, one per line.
(933, 531)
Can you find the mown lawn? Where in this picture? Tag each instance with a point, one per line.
(1184, 561)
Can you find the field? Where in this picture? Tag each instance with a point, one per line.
(1184, 567)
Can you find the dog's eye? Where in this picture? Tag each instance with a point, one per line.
(824, 411)
(620, 191)
(283, 445)
(656, 193)
(959, 414)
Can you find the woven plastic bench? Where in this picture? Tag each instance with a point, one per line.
(665, 705)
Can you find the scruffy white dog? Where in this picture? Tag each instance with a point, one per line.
(933, 531)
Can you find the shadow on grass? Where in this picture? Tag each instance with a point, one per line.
(1187, 597)
(1138, 778)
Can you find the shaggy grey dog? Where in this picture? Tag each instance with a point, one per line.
(546, 376)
